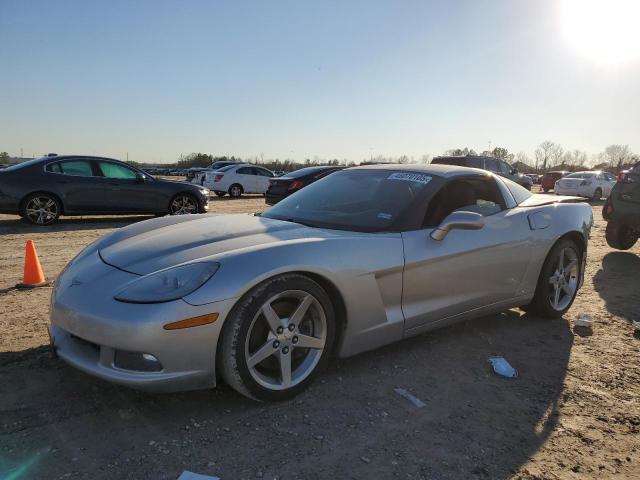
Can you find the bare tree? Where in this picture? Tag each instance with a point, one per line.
(548, 153)
(426, 158)
(617, 155)
(522, 157)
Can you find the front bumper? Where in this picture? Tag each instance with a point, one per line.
(89, 329)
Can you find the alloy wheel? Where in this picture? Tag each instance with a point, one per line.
(41, 210)
(183, 205)
(563, 283)
(286, 339)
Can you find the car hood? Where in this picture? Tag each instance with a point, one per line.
(152, 245)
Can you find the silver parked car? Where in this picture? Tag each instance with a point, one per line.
(362, 258)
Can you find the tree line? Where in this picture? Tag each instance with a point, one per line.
(547, 156)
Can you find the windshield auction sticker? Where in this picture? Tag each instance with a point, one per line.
(410, 177)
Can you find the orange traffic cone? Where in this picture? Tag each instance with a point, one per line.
(33, 275)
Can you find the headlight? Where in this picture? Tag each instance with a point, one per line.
(204, 192)
(170, 284)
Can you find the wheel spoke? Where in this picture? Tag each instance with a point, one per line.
(561, 261)
(570, 266)
(285, 369)
(567, 289)
(307, 341)
(300, 312)
(263, 352)
(556, 296)
(272, 317)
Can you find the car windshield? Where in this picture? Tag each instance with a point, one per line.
(581, 175)
(305, 171)
(359, 200)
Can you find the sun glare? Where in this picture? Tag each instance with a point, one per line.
(605, 31)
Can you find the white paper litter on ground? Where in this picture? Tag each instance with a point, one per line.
(584, 320)
(187, 475)
(412, 398)
(636, 325)
(503, 368)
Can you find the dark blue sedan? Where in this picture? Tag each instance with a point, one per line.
(42, 189)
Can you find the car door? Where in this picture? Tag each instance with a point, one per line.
(246, 176)
(125, 190)
(468, 269)
(262, 179)
(79, 187)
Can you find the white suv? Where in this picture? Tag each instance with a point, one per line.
(238, 179)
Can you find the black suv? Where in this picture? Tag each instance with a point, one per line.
(622, 210)
(492, 164)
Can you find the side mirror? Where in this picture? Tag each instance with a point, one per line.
(458, 221)
(514, 171)
(141, 178)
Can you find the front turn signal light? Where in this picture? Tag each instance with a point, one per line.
(192, 322)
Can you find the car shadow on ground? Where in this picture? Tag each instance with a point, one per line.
(18, 225)
(349, 424)
(617, 283)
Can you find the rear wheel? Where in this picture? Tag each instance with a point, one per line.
(41, 209)
(277, 337)
(235, 191)
(620, 236)
(183, 204)
(558, 282)
(597, 195)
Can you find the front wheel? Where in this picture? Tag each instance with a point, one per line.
(620, 236)
(183, 204)
(277, 337)
(558, 282)
(41, 209)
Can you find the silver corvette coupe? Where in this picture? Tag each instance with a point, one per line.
(362, 258)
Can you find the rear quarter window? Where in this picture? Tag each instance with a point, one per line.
(520, 194)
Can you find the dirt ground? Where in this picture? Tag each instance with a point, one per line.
(574, 412)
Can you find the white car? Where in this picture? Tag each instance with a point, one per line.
(238, 179)
(593, 185)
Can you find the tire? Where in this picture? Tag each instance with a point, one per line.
(41, 209)
(183, 204)
(235, 190)
(543, 303)
(597, 194)
(546, 190)
(620, 236)
(247, 333)
(220, 194)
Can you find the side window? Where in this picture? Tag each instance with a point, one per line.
(505, 168)
(263, 173)
(115, 170)
(479, 195)
(77, 168)
(54, 168)
(475, 163)
(245, 171)
(491, 165)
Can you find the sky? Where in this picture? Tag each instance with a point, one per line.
(326, 79)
